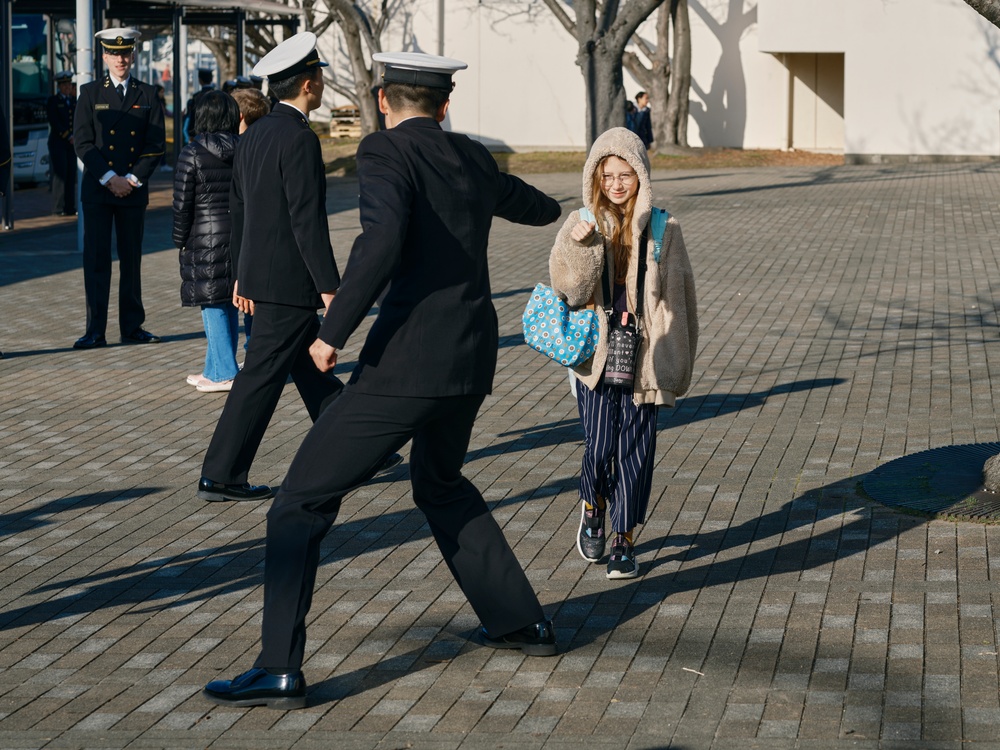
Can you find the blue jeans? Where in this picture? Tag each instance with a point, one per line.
(222, 331)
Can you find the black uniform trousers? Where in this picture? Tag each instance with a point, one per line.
(128, 221)
(351, 438)
(278, 348)
(62, 157)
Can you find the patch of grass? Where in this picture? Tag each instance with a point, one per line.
(338, 153)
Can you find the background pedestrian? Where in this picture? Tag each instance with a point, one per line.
(202, 226)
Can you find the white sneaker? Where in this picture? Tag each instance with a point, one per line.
(195, 379)
(211, 386)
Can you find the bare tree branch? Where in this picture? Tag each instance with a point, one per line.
(561, 15)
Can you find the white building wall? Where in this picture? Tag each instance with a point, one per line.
(920, 76)
(522, 89)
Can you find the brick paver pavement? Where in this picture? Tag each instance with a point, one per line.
(848, 318)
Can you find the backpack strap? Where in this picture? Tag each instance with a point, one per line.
(658, 226)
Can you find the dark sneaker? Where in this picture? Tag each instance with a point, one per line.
(622, 562)
(591, 539)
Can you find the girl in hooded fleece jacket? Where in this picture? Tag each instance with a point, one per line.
(620, 423)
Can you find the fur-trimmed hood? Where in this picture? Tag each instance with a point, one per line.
(624, 144)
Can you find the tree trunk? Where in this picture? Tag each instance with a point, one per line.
(600, 52)
(988, 9)
(677, 110)
(363, 79)
(357, 28)
(659, 83)
(602, 80)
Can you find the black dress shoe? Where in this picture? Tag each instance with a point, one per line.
(90, 341)
(219, 492)
(140, 337)
(258, 687)
(534, 640)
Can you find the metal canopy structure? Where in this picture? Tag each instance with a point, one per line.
(172, 14)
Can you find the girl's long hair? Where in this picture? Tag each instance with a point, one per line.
(615, 221)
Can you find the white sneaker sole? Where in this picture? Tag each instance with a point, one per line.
(616, 575)
(210, 387)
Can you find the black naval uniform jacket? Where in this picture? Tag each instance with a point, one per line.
(122, 136)
(428, 198)
(59, 109)
(281, 239)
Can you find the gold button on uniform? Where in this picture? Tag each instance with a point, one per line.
(111, 148)
(132, 150)
(133, 132)
(112, 132)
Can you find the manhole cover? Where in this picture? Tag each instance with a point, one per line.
(942, 481)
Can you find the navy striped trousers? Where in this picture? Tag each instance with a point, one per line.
(619, 445)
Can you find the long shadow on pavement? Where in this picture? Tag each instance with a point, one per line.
(585, 619)
(687, 411)
(202, 574)
(39, 515)
(199, 575)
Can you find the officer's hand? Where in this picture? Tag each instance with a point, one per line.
(323, 355)
(242, 304)
(582, 231)
(327, 299)
(119, 186)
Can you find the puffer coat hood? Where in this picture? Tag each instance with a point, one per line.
(202, 222)
(669, 322)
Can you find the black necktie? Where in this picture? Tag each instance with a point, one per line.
(120, 88)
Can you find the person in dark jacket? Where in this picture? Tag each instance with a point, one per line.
(202, 226)
(427, 200)
(59, 108)
(643, 119)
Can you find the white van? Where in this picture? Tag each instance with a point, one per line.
(31, 156)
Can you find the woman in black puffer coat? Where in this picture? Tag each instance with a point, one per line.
(201, 231)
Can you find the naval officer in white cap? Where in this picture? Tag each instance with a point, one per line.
(283, 265)
(118, 135)
(427, 200)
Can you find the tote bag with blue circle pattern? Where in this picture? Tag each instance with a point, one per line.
(552, 328)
